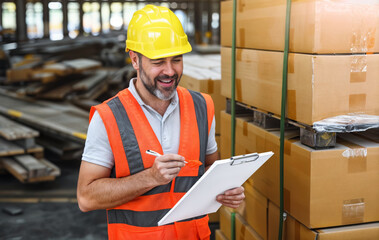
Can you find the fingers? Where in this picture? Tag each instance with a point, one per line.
(170, 158)
(234, 191)
(232, 198)
(167, 167)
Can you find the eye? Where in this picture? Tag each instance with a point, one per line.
(157, 63)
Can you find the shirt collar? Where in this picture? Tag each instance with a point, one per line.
(135, 94)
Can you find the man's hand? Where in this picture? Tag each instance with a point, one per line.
(166, 168)
(232, 198)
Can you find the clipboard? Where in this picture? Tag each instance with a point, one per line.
(221, 176)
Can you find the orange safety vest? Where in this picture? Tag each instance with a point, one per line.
(130, 135)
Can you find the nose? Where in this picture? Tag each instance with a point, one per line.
(169, 69)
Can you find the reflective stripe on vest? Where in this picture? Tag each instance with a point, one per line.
(155, 203)
(128, 137)
(133, 217)
(202, 124)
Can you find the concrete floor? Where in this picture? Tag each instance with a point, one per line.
(51, 221)
(49, 209)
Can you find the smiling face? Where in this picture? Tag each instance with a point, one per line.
(160, 77)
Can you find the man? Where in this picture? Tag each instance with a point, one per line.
(116, 174)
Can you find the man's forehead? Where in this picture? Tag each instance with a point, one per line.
(167, 58)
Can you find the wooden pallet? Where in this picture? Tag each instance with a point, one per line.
(71, 66)
(21, 156)
(28, 169)
(16, 133)
(64, 150)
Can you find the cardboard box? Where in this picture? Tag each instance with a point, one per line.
(220, 235)
(214, 217)
(315, 83)
(225, 221)
(293, 229)
(244, 231)
(218, 140)
(322, 188)
(203, 74)
(336, 26)
(256, 210)
(273, 223)
(242, 141)
(226, 216)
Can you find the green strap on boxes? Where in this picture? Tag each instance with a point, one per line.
(283, 107)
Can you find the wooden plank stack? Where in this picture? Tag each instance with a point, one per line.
(61, 119)
(46, 72)
(21, 156)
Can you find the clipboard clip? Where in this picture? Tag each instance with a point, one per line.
(244, 159)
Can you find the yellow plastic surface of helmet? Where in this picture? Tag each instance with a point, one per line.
(156, 32)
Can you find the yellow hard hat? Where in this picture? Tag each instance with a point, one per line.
(156, 32)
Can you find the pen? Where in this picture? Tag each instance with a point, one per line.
(154, 153)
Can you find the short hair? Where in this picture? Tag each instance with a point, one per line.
(139, 58)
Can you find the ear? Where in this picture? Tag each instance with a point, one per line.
(134, 59)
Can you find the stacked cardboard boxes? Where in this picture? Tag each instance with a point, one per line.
(319, 86)
(323, 188)
(314, 81)
(202, 73)
(317, 26)
(331, 72)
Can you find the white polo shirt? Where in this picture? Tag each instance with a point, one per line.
(97, 149)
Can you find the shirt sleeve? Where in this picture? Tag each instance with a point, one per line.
(212, 144)
(97, 149)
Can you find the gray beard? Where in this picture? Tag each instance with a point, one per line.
(161, 96)
(154, 90)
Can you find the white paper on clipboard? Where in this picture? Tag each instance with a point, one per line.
(221, 176)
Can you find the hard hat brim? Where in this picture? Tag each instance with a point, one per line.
(163, 53)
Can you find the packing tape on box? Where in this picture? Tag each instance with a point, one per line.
(359, 152)
(289, 140)
(287, 199)
(242, 36)
(357, 77)
(287, 147)
(291, 63)
(245, 128)
(210, 86)
(357, 102)
(356, 156)
(241, 5)
(239, 54)
(238, 89)
(364, 22)
(291, 101)
(291, 94)
(353, 211)
(358, 68)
